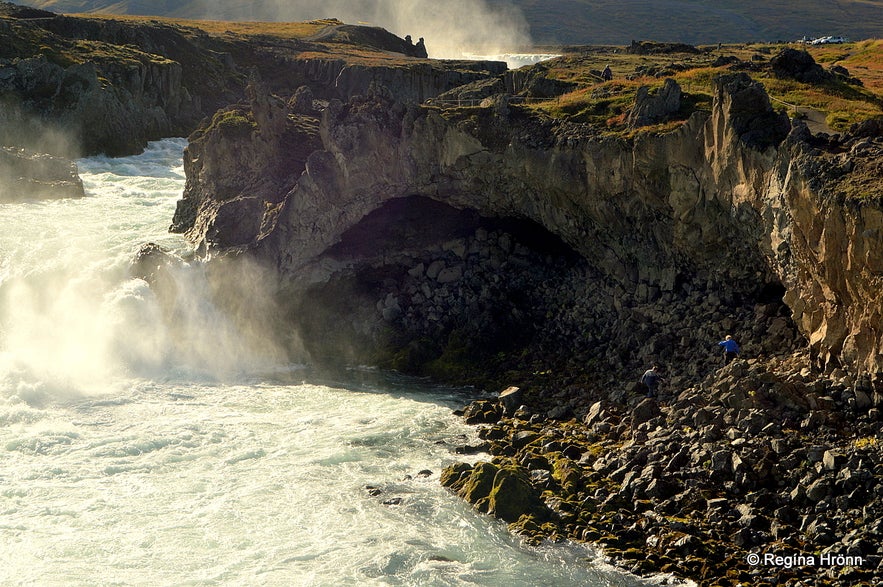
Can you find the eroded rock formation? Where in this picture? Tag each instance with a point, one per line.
(78, 85)
(726, 208)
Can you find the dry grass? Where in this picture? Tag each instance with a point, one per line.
(864, 60)
(841, 103)
(281, 30)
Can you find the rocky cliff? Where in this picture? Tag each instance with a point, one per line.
(670, 239)
(77, 85)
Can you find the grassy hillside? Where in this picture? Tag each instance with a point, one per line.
(574, 21)
(837, 103)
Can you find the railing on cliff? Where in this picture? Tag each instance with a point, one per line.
(793, 107)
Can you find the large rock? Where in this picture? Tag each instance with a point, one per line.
(26, 175)
(800, 66)
(503, 492)
(657, 107)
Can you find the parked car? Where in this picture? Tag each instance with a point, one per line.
(828, 41)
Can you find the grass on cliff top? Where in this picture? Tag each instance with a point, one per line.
(281, 31)
(30, 41)
(606, 104)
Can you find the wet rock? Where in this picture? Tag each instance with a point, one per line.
(28, 175)
(504, 492)
(482, 412)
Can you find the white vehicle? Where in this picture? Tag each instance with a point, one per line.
(828, 41)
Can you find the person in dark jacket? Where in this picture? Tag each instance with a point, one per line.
(731, 349)
(651, 379)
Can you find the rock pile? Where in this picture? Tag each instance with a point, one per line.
(761, 460)
(492, 288)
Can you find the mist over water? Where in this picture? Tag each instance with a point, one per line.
(450, 28)
(66, 306)
(129, 458)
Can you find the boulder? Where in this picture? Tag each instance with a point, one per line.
(28, 175)
(503, 492)
(656, 107)
(645, 411)
(482, 412)
(800, 66)
(511, 398)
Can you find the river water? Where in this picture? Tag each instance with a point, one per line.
(125, 461)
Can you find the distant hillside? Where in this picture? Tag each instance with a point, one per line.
(559, 22)
(699, 21)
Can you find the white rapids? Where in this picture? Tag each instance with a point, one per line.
(122, 463)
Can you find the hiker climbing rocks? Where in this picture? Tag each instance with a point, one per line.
(651, 379)
(731, 349)
(607, 75)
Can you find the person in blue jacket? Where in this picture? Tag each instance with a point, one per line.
(731, 349)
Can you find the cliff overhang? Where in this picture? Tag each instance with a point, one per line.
(723, 210)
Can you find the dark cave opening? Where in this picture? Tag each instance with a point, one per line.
(428, 287)
(414, 223)
(772, 292)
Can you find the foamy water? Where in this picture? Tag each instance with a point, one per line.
(127, 460)
(514, 60)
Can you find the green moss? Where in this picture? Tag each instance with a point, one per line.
(512, 496)
(58, 58)
(453, 475)
(478, 486)
(457, 358)
(413, 357)
(233, 123)
(567, 473)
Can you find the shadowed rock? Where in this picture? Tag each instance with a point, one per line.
(27, 175)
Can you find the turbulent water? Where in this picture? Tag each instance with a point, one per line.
(514, 60)
(126, 460)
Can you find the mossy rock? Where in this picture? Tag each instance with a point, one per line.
(512, 495)
(525, 525)
(482, 412)
(503, 491)
(414, 356)
(567, 473)
(233, 123)
(477, 487)
(633, 554)
(452, 476)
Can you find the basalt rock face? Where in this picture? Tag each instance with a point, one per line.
(435, 235)
(827, 250)
(75, 85)
(113, 101)
(117, 121)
